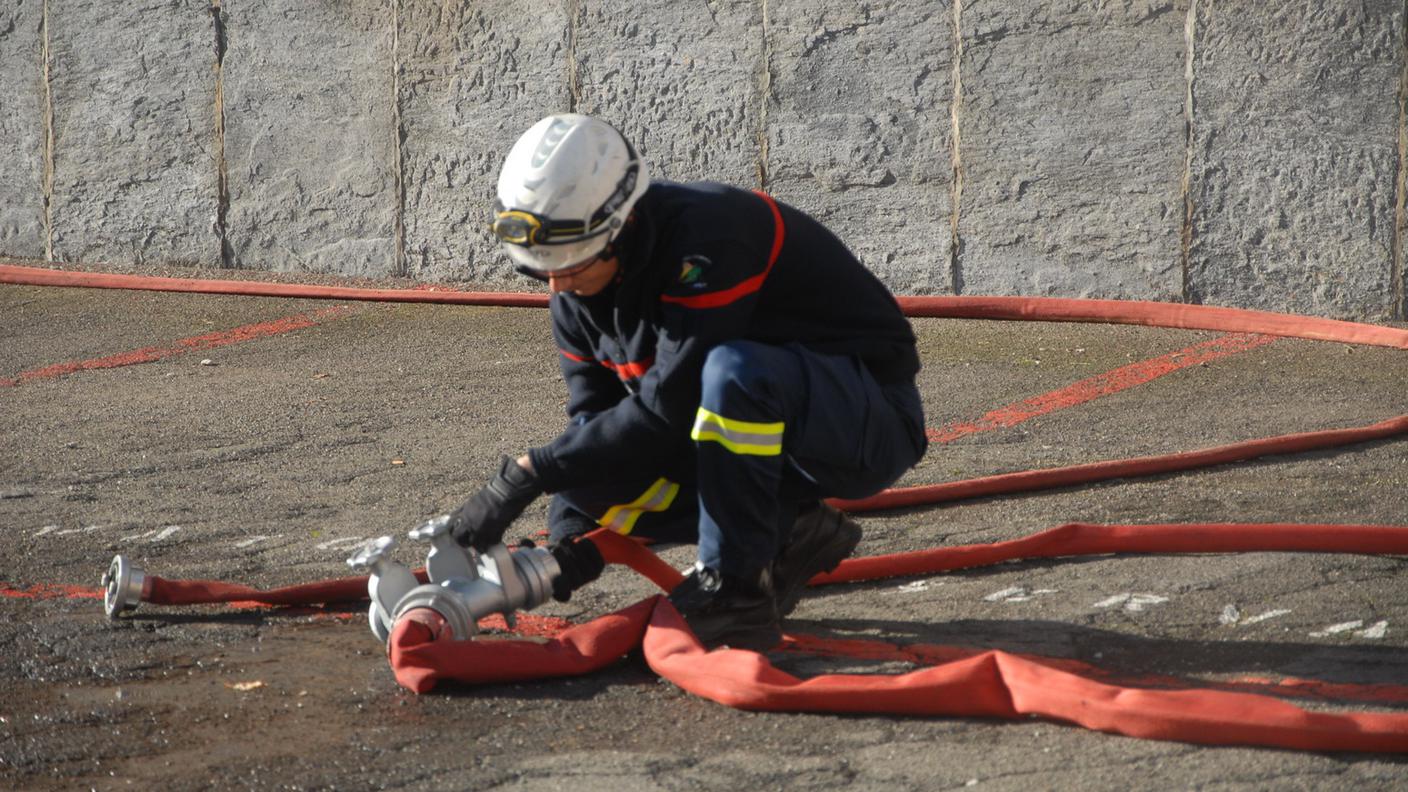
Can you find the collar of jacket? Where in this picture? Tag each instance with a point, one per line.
(635, 250)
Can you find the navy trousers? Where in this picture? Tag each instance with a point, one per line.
(777, 427)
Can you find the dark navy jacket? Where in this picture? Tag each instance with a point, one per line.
(701, 264)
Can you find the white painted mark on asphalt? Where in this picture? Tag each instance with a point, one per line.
(154, 535)
(340, 544)
(1231, 616)
(915, 586)
(1132, 603)
(56, 531)
(1376, 630)
(1017, 594)
(254, 540)
(1335, 629)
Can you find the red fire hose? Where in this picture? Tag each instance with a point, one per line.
(991, 684)
(1032, 480)
(1034, 309)
(209, 592)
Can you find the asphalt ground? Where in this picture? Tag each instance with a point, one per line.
(264, 456)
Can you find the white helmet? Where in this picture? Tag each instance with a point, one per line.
(565, 191)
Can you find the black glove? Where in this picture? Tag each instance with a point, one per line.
(580, 562)
(482, 520)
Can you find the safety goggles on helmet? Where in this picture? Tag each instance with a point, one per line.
(527, 229)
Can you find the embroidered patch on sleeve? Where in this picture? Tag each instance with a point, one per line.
(692, 270)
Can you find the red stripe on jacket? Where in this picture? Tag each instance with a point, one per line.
(721, 298)
(626, 371)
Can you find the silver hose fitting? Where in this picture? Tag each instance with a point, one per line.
(387, 584)
(125, 586)
(495, 581)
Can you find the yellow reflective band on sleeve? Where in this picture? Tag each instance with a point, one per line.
(622, 519)
(740, 437)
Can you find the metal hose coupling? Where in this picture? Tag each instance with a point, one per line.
(504, 582)
(125, 586)
(464, 587)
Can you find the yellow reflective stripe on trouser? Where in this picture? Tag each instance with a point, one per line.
(740, 437)
(658, 498)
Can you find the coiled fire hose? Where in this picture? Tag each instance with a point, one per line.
(425, 647)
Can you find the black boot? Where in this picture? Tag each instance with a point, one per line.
(821, 539)
(727, 610)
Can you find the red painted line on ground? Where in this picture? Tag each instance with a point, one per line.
(50, 591)
(184, 346)
(1100, 385)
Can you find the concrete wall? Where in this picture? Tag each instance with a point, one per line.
(1229, 153)
(22, 126)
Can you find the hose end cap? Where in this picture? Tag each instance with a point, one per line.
(123, 586)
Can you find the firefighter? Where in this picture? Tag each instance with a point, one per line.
(728, 362)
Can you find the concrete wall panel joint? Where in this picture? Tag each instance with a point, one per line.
(48, 138)
(222, 177)
(399, 266)
(1396, 275)
(764, 99)
(1190, 37)
(955, 245)
(574, 77)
